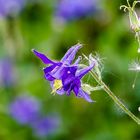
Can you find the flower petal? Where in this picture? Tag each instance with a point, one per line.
(44, 58)
(60, 91)
(77, 60)
(69, 90)
(76, 90)
(84, 71)
(63, 71)
(70, 54)
(72, 83)
(47, 71)
(57, 72)
(84, 95)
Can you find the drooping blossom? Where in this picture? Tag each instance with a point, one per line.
(46, 126)
(75, 9)
(64, 76)
(11, 7)
(25, 109)
(7, 73)
(134, 19)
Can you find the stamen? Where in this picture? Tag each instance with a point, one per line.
(57, 85)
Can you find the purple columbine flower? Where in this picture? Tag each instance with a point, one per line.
(7, 73)
(65, 76)
(25, 109)
(73, 9)
(46, 126)
(10, 7)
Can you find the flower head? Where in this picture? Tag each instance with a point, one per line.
(73, 9)
(65, 76)
(7, 73)
(46, 126)
(25, 109)
(134, 20)
(10, 7)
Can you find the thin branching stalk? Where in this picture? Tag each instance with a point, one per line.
(115, 99)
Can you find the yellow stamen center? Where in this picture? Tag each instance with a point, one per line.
(57, 85)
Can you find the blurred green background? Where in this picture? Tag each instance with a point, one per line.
(106, 32)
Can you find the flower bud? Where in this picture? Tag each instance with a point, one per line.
(134, 20)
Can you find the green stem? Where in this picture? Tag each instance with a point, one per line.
(138, 39)
(115, 99)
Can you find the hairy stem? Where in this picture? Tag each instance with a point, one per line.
(115, 99)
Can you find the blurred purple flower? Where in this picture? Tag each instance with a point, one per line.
(7, 75)
(46, 126)
(73, 9)
(25, 109)
(11, 7)
(65, 77)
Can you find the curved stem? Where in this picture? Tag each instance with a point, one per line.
(115, 99)
(128, 3)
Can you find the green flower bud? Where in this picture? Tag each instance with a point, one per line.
(134, 20)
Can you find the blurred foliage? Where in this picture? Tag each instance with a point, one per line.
(106, 32)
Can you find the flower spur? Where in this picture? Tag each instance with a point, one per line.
(65, 76)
